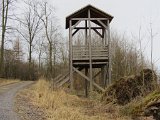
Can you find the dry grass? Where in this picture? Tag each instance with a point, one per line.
(58, 105)
(7, 81)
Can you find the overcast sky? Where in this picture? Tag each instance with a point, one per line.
(129, 15)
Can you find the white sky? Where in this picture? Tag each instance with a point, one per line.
(129, 15)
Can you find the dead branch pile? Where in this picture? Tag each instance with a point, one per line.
(128, 88)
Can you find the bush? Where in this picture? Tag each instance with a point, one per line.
(20, 70)
(29, 73)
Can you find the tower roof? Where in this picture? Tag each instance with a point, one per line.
(83, 13)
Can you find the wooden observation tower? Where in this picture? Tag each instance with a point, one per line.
(90, 55)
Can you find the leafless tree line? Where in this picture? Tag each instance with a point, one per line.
(37, 32)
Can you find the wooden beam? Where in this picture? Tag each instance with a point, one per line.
(75, 32)
(86, 33)
(76, 24)
(88, 28)
(102, 24)
(90, 51)
(110, 54)
(96, 74)
(105, 37)
(84, 76)
(98, 33)
(80, 73)
(63, 82)
(89, 19)
(86, 69)
(57, 77)
(99, 87)
(86, 83)
(70, 54)
(61, 78)
(105, 76)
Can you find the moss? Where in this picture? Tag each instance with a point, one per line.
(138, 106)
(150, 99)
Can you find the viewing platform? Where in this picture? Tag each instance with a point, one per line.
(99, 56)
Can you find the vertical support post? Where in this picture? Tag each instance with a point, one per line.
(102, 76)
(70, 54)
(86, 69)
(102, 37)
(105, 67)
(105, 75)
(86, 83)
(105, 37)
(90, 52)
(109, 50)
(86, 33)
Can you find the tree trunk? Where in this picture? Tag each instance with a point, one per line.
(30, 53)
(50, 59)
(4, 23)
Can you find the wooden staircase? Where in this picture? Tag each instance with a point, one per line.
(60, 80)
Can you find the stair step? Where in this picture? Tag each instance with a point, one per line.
(62, 78)
(58, 77)
(63, 82)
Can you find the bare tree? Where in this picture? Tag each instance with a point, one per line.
(5, 7)
(141, 52)
(125, 54)
(17, 48)
(40, 50)
(30, 26)
(64, 54)
(152, 35)
(51, 33)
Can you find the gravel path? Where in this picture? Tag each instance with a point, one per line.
(7, 94)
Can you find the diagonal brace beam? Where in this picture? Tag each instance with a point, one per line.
(96, 74)
(98, 32)
(81, 74)
(75, 32)
(76, 24)
(99, 87)
(96, 85)
(102, 24)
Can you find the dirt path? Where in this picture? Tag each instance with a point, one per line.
(7, 94)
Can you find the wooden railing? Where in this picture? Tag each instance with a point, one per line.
(97, 52)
